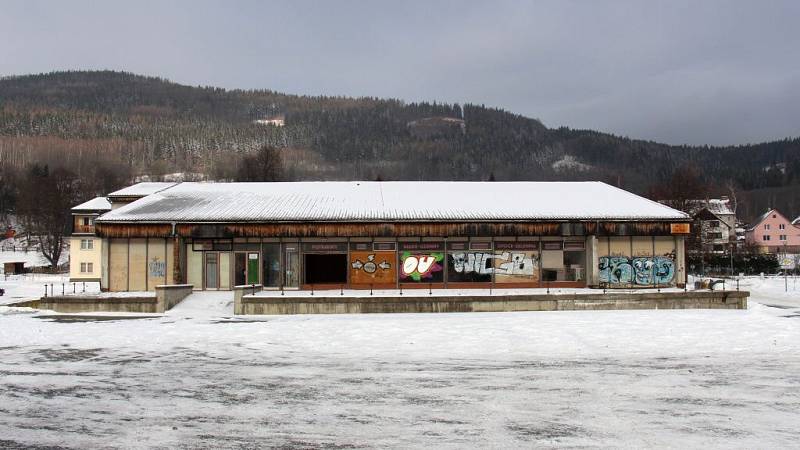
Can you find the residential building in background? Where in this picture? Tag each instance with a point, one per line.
(715, 224)
(772, 232)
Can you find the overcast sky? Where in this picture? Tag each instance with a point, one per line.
(697, 72)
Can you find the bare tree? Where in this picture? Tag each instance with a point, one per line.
(264, 165)
(45, 199)
(681, 189)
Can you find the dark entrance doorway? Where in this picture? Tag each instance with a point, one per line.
(325, 268)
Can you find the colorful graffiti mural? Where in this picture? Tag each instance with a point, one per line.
(422, 267)
(641, 271)
(372, 268)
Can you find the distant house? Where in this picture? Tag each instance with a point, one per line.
(715, 223)
(277, 121)
(429, 127)
(772, 232)
(14, 267)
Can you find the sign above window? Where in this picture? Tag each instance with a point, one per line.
(519, 245)
(384, 246)
(422, 246)
(679, 228)
(333, 247)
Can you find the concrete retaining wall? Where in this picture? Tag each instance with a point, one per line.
(165, 298)
(241, 291)
(79, 304)
(169, 295)
(250, 304)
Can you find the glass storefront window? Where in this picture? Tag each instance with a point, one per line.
(271, 254)
(574, 265)
(474, 266)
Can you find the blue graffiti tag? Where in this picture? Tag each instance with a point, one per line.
(615, 270)
(639, 271)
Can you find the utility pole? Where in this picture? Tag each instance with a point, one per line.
(733, 245)
(785, 269)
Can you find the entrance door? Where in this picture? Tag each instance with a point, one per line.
(212, 270)
(271, 262)
(240, 268)
(292, 278)
(245, 268)
(252, 268)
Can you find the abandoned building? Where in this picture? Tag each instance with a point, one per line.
(318, 235)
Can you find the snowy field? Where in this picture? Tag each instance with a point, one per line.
(197, 377)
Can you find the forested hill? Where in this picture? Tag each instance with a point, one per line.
(111, 126)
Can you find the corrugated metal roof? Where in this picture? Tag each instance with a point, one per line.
(142, 189)
(95, 204)
(390, 201)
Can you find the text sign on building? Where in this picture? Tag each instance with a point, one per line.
(337, 247)
(679, 228)
(574, 245)
(552, 245)
(422, 246)
(384, 246)
(516, 245)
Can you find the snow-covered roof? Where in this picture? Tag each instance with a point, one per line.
(95, 204)
(716, 206)
(391, 201)
(720, 206)
(142, 189)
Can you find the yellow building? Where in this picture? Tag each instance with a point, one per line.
(86, 249)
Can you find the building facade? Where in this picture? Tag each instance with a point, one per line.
(86, 249)
(404, 235)
(772, 232)
(715, 224)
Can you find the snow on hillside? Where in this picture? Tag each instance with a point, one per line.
(198, 378)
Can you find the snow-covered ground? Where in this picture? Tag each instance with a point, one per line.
(197, 377)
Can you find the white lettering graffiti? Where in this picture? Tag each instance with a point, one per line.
(515, 264)
(507, 263)
(421, 264)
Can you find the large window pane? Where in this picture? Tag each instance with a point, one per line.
(272, 264)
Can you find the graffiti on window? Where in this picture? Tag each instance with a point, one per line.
(516, 267)
(507, 266)
(425, 267)
(639, 271)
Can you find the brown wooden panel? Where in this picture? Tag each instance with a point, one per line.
(376, 230)
(118, 265)
(137, 270)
